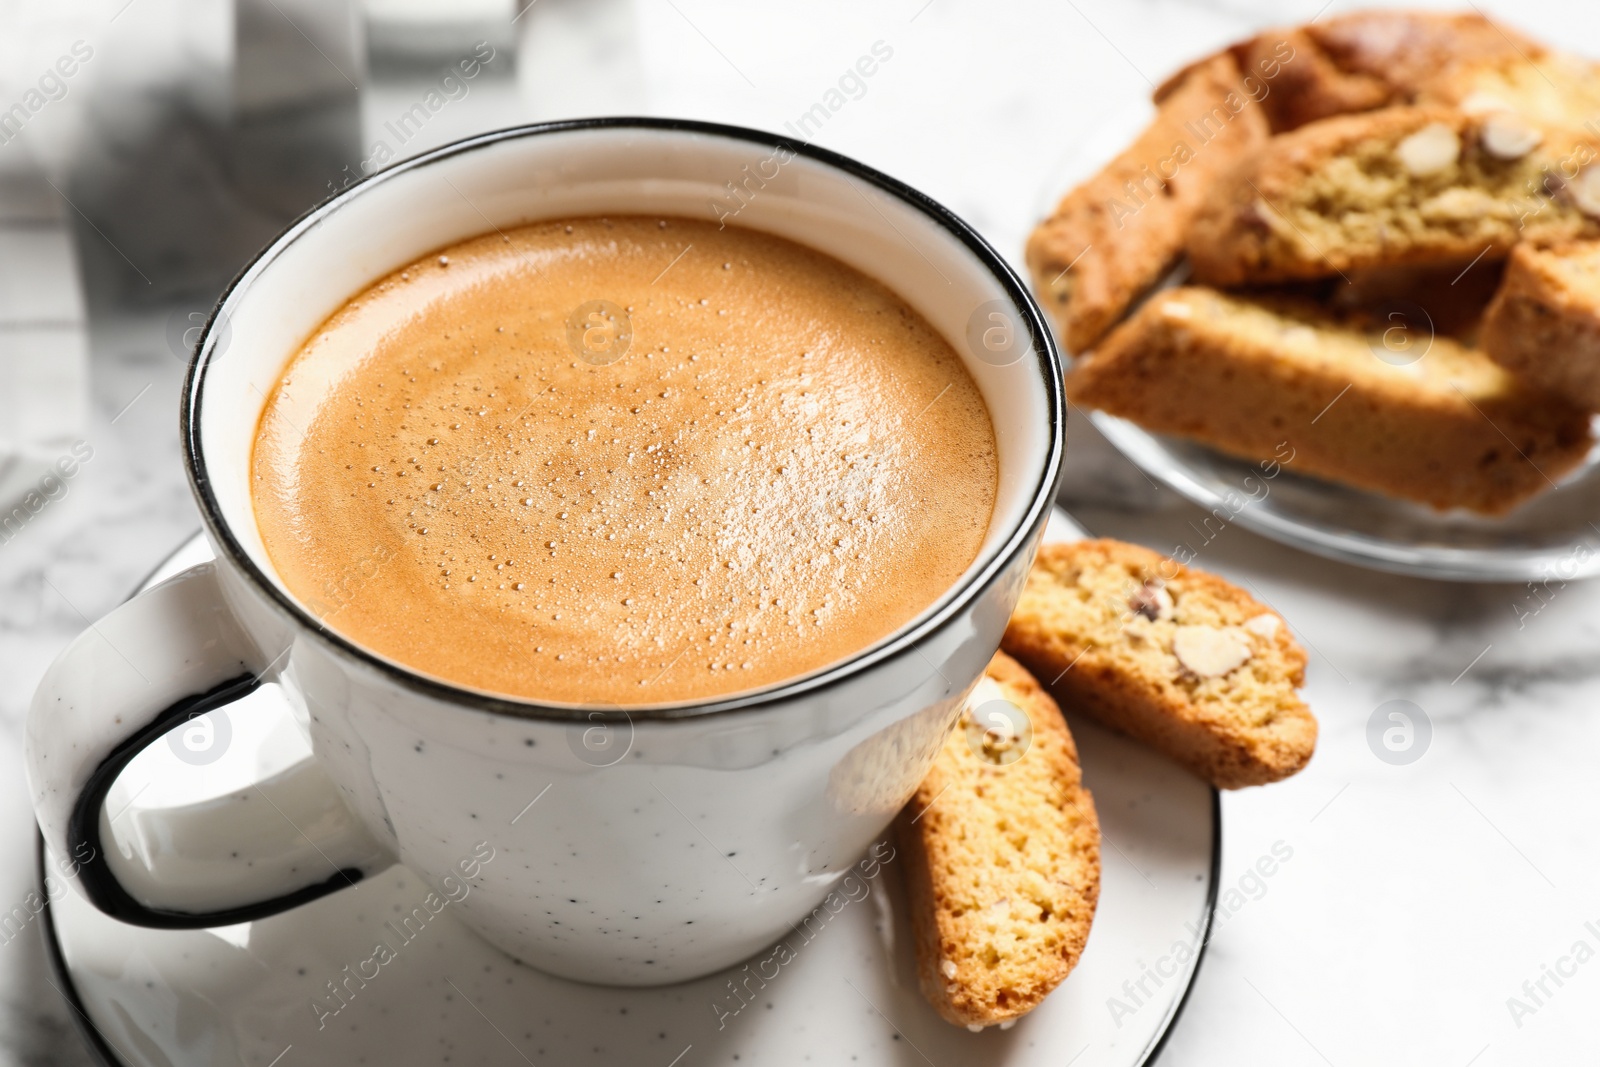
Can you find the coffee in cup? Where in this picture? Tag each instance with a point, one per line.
(623, 460)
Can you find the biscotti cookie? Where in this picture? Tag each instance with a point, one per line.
(1311, 84)
(1448, 298)
(1368, 59)
(1118, 233)
(1002, 855)
(1392, 187)
(1546, 89)
(1438, 423)
(1544, 324)
(1177, 658)
(1408, 50)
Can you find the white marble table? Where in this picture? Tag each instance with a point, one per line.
(1418, 899)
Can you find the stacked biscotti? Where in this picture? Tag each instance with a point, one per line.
(1388, 175)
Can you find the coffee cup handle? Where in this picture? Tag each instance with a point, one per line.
(169, 655)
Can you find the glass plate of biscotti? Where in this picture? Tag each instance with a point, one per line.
(1343, 288)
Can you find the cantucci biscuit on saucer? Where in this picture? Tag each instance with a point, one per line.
(1002, 855)
(1180, 659)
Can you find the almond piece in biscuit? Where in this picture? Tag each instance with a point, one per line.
(1212, 685)
(1388, 188)
(1120, 232)
(1002, 853)
(1382, 407)
(1544, 324)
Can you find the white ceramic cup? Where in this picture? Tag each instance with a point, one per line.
(636, 846)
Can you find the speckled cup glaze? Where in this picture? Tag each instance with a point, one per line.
(632, 847)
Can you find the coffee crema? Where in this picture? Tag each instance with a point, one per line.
(785, 463)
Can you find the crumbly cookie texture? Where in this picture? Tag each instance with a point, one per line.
(1544, 324)
(1399, 413)
(1120, 232)
(1398, 186)
(1180, 659)
(1370, 59)
(1002, 857)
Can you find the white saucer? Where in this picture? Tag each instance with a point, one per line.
(247, 994)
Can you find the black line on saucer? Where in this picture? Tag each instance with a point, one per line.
(1153, 1051)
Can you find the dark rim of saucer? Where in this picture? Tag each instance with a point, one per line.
(1042, 343)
